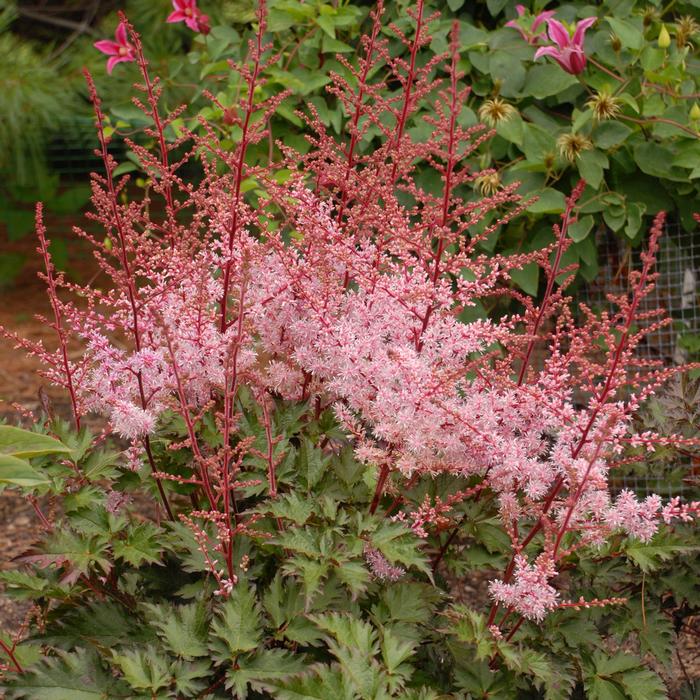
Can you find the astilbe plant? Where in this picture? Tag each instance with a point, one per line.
(286, 349)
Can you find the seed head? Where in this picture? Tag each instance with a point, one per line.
(649, 16)
(571, 146)
(488, 183)
(495, 111)
(686, 29)
(604, 105)
(615, 42)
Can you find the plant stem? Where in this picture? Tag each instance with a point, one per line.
(383, 474)
(10, 651)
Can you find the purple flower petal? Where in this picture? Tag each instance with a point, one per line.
(120, 34)
(581, 30)
(558, 33)
(108, 47)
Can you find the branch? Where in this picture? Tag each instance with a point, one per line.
(82, 27)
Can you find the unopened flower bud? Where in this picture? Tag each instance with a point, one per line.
(664, 38)
(695, 112)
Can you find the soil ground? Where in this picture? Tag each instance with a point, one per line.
(20, 385)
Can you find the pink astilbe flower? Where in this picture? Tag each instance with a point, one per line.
(530, 593)
(639, 519)
(379, 566)
(530, 33)
(187, 11)
(119, 51)
(675, 510)
(568, 52)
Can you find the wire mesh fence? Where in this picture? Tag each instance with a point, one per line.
(677, 291)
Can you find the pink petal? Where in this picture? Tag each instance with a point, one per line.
(192, 23)
(111, 62)
(558, 33)
(541, 18)
(520, 9)
(107, 47)
(576, 60)
(177, 16)
(180, 5)
(204, 27)
(120, 34)
(581, 30)
(548, 51)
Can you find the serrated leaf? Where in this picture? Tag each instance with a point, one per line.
(648, 556)
(399, 545)
(101, 624)
(643, 684)
(395, 652)
(292, 507)
(141, 545)
(191, 677)
(143, 669)
(354, 575)
(184, 628)
(237, 622)
(263, 671)
(75, 553)
(322, 683)
(77, 675)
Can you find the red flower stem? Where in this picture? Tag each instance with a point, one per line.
(132, 291)
(353, 124)
(602, 398)
(448, 542)
(191, 433)
(447, 187)
(10, 651)
(408, 89)
(516, 627)
(56, 307)
(383, 474)
(272, 479)
(571, 202)
(243, 148)
(153, 104)
(400, 128)
(40, 514)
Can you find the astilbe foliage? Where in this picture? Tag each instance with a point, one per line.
(344, 284)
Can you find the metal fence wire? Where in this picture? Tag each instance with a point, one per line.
(678, 292)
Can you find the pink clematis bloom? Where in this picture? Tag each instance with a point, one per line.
(119, 51)
(568, 52)
(187, 11)
(531, 35)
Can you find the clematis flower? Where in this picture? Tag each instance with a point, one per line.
(531, 35)
(187, 11)
(568, 52)
(119, 51)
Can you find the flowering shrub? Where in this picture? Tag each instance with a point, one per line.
(289, 358)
